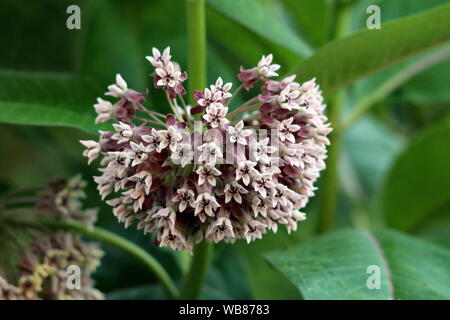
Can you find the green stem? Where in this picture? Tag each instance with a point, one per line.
(196, 276)
(331, 175)
(196, 27)
(330, 186)
(123, 244)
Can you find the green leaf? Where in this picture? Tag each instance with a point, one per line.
(48, 99)
(436, 228)
(37, 37)
(419, 269)
(31, 148)
(335, 266)
(265, 283)
(310, 17)
(264, 18)
(371, 148)
(390, 10)
(344, 61)
(419, 181)
(120, 50)
(228, 277)
(374, 88)
(431, 86)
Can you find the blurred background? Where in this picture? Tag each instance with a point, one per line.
(393, 162)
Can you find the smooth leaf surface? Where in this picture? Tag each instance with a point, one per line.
(34, 35)
(436, 228)
(419, 181)
(431, 86)
(344, 61)
(420, 79)
(258, 16)
(115, 51)
(332, 267)
(335, 266)
(310, 17)
(239, 45)
(390, 10)
(419, 269)
(47, 99)
(265, 283)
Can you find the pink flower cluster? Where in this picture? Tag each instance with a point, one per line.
(231, 175)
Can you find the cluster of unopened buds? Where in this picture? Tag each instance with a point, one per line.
(211, 171)
(42, 271)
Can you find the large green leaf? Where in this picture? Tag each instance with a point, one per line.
(265, 283)
(390, 10)
(48, 99)
(337, 266)
(311, 17)
(419, 269)
(423, 78)
(120, 50)
(344, 61)
(370, 91)
(35, 37)
(419, 181)
(431, 86)
(436, 228)
(265, 18)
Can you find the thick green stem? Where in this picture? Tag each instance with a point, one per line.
(196, 27)
(331, 176)
(196, 276)
(123, 244)
(330, 185)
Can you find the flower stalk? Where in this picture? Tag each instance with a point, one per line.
(196, 275)
(331, 176)
(196, 26)
(121, 243)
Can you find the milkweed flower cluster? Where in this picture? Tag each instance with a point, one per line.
(61, 200)
(42, 271)
(236, 173)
